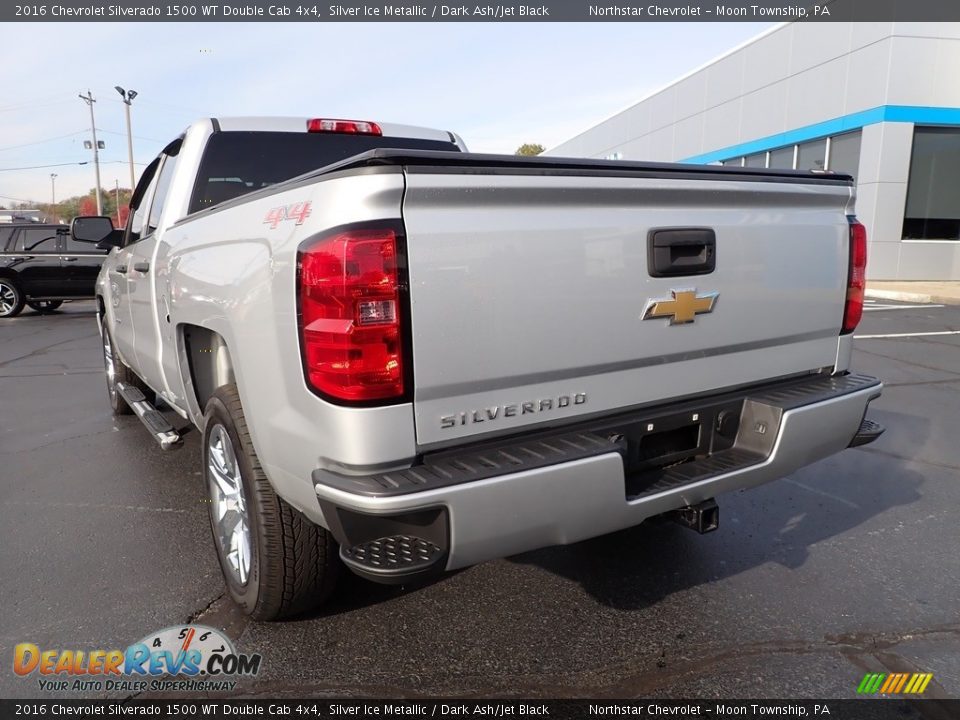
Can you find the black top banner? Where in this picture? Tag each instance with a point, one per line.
(483, 11)
(881, 708)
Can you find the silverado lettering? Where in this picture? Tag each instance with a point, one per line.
(498, 411)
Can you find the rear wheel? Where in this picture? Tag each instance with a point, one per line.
(43, 306)
(11, 298)
(275, 562)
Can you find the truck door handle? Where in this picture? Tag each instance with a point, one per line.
(69, 259)
(681, 251)
(122, 269)
(141, 267)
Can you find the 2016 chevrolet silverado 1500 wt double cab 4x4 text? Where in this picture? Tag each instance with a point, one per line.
(406, 358)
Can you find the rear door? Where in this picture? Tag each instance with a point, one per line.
(80, 263)
(38, 266)
(534, 296)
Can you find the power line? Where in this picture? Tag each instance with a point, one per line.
(37, 102)
(40, 142)
(40, 167)
(138, 137)
(23, 200)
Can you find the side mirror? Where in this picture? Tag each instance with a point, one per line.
(92, 229)
(114, 239)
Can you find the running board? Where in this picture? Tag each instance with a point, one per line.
(167, 436)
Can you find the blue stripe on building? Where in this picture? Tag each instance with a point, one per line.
(917, 114)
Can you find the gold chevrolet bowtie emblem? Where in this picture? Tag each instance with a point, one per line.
(683, 307)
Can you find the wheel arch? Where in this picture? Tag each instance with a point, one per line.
(206, 364)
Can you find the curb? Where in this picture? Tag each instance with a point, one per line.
(897, 295)
(912, 297)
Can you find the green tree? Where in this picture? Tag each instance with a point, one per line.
(530, 149)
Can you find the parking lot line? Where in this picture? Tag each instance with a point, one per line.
(903, 335)
(883, 306)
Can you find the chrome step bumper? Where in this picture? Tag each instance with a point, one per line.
(558, 488)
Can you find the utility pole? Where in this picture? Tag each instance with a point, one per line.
(117, 196)
(128, 96)
(88, 99)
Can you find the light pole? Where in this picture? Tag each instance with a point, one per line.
(117, 196)
(88, 99)
(128, 96)
(53, 195)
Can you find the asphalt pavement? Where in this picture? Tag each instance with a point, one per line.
(845, 567)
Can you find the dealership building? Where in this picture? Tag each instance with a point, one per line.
(880, 101)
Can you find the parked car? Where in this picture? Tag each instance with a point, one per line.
(405, 358)
(42, 266)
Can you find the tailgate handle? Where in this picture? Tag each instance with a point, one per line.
(681, 251)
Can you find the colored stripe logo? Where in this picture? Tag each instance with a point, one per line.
(894, 683)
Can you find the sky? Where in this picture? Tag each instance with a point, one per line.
(497, 85)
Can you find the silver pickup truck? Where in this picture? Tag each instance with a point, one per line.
(405, 358)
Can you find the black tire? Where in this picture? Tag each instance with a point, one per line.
(293, 563)
(121, 373)
(44, 306)
(11, 298)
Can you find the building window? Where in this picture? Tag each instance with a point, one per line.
(812, 155)
(845, 153)
(933, 190)
(782, 158)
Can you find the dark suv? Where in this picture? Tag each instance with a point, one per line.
(42, 266)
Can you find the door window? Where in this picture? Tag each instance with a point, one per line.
(6, 235)
(160, 195)
(38, 240)
(140, 203)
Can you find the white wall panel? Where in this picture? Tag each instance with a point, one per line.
(767, 60)
(883, 261)
(661, 144)
(817, 43)
(894, 155)
(689, 96)
(928, 261)
(662, 108)
(688, 137)
(818, 94)
(724, 79)
(927, 29)
(946, 77)
(865, 33)
(911, 73)
(763, 113)
(867, 77)
(721, 125)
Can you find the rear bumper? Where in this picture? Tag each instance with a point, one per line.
(471, 506)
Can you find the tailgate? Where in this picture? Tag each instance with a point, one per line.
(528, 292)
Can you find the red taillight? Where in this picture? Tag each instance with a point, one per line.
(349, 127)
(857, 278)
(350, 315)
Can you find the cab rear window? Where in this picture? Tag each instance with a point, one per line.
(235, 163)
